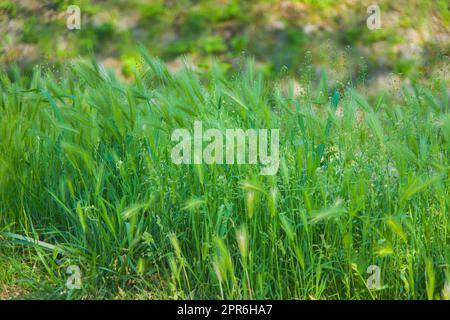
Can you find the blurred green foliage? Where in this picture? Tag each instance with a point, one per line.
(413, 40)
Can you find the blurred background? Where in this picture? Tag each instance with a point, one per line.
(286, 37)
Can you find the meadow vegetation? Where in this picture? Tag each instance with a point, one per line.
(85, 168)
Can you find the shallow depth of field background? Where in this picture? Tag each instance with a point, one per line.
(282, 35)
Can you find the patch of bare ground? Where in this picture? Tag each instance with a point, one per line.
(11, 292)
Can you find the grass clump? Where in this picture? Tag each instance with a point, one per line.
(85, 168)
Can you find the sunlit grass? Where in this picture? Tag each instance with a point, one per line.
(85, 168)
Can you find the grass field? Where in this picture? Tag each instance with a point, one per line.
(85, 168)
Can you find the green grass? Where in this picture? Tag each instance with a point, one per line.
(85, 168)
